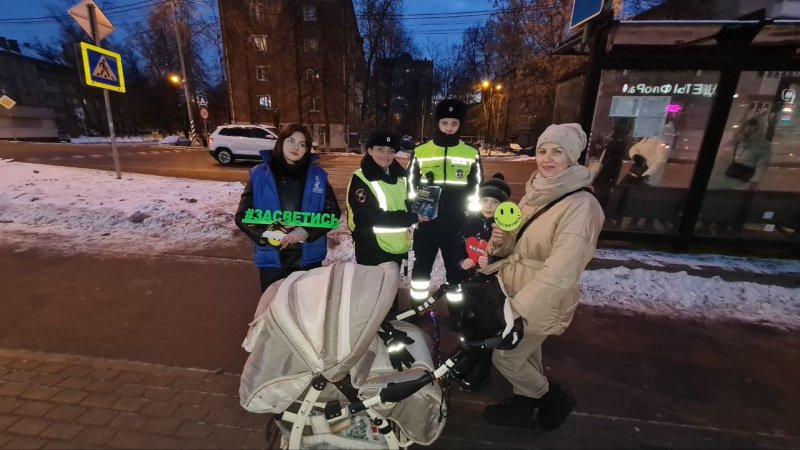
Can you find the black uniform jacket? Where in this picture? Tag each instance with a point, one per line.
(367, 213)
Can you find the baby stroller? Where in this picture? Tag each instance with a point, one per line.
(326, 362)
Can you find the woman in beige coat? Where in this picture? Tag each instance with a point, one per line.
(541, 274)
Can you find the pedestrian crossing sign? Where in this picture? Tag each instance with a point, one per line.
(102, 68)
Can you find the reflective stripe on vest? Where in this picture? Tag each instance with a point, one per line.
(450, 167)
(395, 240)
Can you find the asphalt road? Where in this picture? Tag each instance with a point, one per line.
(196, 163)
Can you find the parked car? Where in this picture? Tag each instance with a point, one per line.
(175, 140)
(407, 143)
(231, 142)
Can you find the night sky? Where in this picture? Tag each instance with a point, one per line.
(428, 32)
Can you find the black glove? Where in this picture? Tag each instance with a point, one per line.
(513, 336)
(396, 342)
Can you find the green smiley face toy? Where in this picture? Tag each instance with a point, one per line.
(507, 216)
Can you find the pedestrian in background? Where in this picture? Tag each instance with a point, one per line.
(288, 179)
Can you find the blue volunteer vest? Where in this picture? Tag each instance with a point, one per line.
(265, 198)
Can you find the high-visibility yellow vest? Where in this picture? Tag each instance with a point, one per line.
(448, 168)
(391, 197)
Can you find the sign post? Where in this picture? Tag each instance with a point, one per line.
(9, 103)
(192, 131)
(202, 102)
(102, 68)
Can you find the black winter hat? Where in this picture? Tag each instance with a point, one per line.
(451, 109)
(496, 188)
(384, 139)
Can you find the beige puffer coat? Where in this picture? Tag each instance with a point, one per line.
(542, 268)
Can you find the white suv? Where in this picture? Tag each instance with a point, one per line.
(231, 142)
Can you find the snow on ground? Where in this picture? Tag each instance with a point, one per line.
(107, 140)
(91, 211)
(659, 259)
(658, 293)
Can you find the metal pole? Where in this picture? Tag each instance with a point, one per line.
(11, 123)
(93, 21)
(422, 122)
(192, 132)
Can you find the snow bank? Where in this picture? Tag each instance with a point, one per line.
(107, 140)
(730, 263)
(90, 210)
(659, 293)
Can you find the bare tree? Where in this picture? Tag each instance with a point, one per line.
(384, 37)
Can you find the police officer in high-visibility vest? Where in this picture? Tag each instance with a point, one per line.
(376, 207)
(448, 162)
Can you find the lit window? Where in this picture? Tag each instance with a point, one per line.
(256, 10)
(261, 73)
(260, 42)
(265, 101)
(311, 75)
(310, 13)
(315, 101)
(310, 45)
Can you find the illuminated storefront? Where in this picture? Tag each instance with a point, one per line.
(710, 108)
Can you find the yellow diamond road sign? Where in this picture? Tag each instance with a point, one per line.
(102, 68)
(7, 102)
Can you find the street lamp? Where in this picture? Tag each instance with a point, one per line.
(492, 99)
(174, 79)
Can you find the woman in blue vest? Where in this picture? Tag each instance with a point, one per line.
(289, 179)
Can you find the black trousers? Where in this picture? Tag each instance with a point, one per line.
(428, 239)
(269, 276)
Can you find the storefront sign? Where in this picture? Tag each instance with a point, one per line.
(291, 218)
(788, 95)
(703, 89)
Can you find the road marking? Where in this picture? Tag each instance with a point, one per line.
(142, 153)
(78, 156)
(95, 156)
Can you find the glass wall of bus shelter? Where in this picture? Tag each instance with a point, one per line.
(646, 135)
(754, 189)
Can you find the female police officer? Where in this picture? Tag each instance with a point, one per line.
(376, 195)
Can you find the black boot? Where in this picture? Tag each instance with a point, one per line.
(554, 407)
(478, 377)
(463, 367)
(517, 411)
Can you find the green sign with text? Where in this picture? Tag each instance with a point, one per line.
(291, 218)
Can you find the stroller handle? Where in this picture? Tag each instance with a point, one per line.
(488, 343)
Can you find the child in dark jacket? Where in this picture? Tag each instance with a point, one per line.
(472, 242)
